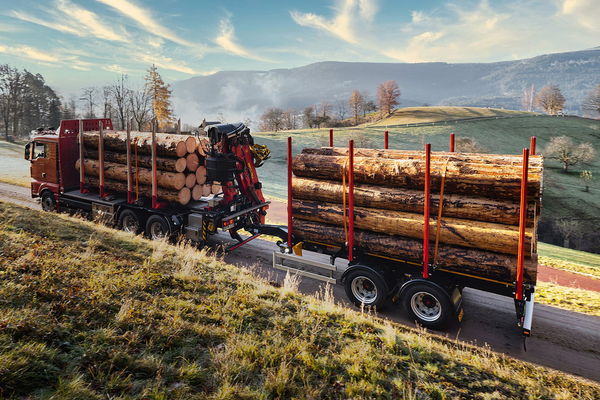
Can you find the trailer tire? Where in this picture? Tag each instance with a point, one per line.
(157, 228)
(428, 305)
(129, 221)
(48, 202)
(366, 288)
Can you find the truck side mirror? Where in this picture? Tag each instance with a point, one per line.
(28, 151)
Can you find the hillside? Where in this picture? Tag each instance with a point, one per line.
(564, 198)
(89, 312)
(239, 95)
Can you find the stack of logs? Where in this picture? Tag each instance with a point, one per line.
(181, 171)
(479, 227)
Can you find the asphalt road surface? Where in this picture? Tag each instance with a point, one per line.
(562, 340)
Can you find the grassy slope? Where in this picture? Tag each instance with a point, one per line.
(13, 168)
(88, 312)
(568, 259)
(418, 115)
(579, 300)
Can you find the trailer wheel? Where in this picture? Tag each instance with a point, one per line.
(428, 305)
(48, 202)
(129, 221)
(157, 227)
(366, 288)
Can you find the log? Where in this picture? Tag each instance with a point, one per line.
(167, 144)
(460, 178)
(190, 144)
(203, 147)
(535, 161)
(206, 190)
(118, 172)
(197, 192)
(216, 188)
(474, 234)
(190, 180)
(145, 161)
(410, 200)
(201, 175)
(180, 196)
(192, 162)
(485, 264)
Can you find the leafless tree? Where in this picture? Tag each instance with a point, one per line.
(272, 120)
(550, 99)
(592, 102)
(469, 145)
(107, 102)
(121, 94)
(586, 177)
(141, 106)
(563, 149)
(357, 104)
(290, 119)
(527, 99)
(387, 96)
(308, 115)
(89, 99)
(341, 109)
(570, 230)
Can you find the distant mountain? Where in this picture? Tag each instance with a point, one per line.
(246, 94)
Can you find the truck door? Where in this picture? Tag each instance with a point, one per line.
(44, 161)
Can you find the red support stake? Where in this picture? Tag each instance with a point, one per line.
(386, 140)
(101, 157)
(130, 199)
(350, 200)
(522, 225)
(331, 138)
(289, 176)
(155, 203)
(81, 160)
(532, 146)
(452, 143)
(426, 211)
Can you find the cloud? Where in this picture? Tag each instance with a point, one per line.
(30, 53)
(226, 40)
(341, 25)
(584, 12)
(169, 63)
(146, 21)
(67, 17)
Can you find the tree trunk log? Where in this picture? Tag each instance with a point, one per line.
(216, 188)
(118, 172)
(203, 147)
(190, 180)
(167, 145)
(192, 162)
(453, 231)
(206, 190)
(190, 144)
(201, 175)
(197, 192)
(473, 208)
(177, 196)
(461, 178)
(485, 264)
(145, 161)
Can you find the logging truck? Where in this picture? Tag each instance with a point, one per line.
(414, 227)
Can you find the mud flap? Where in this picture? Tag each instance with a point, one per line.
(456, 299)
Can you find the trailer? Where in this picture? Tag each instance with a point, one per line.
(232, 161)
(430, 295)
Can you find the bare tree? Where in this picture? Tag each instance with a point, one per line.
(387, 96)
(272, 120)
(563, 149)
(528, 98)
(107, 105)
(341, 109)
(592, 101)
(469, 145)
(308, 115)
(586, 177)
(11, 94)
(290, 119)
(141, 106)
(550, 99)
(121, 94)
(570, 230)
(357, 104)
(89, 98)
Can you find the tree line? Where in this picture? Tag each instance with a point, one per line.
(28, 103)
(354, 110)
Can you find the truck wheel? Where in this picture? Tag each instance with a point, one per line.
(157, 227)
(428, 305)
(366, 288)
(129, 221)
(48, 202)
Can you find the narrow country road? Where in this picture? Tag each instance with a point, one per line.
(561, 340)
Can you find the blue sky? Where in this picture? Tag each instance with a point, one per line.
(77, 43)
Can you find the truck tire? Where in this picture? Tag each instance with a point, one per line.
(157, 227)
(428, 305)
(366, 288)
(48, 202)
(129, 221)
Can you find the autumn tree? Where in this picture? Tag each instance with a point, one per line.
(586, 177)
(550, 99)
(563, 149)
(356, 103)
(160, 95)
(387, 96)
(592, 101)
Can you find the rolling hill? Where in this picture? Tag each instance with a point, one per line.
(246, 94)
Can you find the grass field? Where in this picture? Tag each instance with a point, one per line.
(570, 260)
(14, 168)
(91, 313)
(579, 300)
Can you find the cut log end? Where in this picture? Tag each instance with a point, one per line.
(181, 149)
(180, 164)
(216, 188)
(190, 144)
(201, 175)
(197, 192)
(184, 196)
(190, 180)
(206, 190)
(192, 162)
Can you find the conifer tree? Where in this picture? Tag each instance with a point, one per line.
(160, 94)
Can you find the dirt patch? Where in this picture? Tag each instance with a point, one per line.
(566, 278)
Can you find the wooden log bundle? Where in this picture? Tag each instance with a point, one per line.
(478, 232)
(181, 196)
(167, 145)
(142, 160)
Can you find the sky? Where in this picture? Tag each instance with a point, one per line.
(79, 43)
